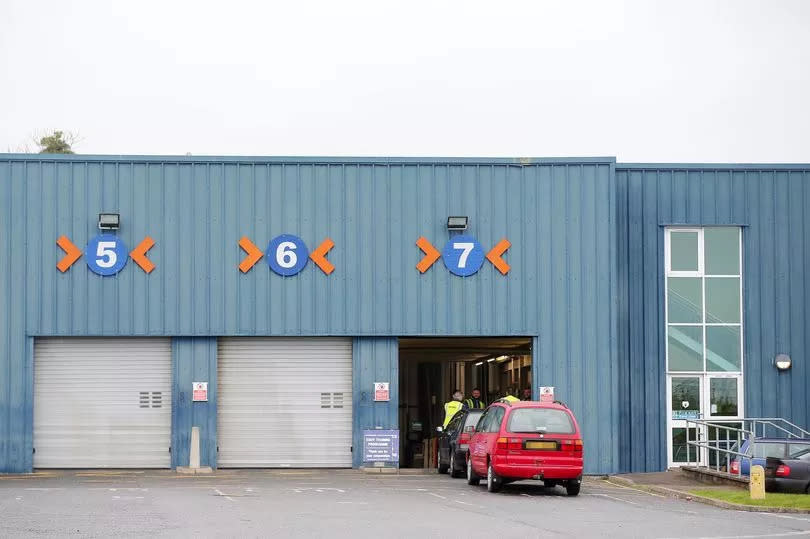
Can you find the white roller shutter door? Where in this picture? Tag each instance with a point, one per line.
(102, 403)
(284, 402)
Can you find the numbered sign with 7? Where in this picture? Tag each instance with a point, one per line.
(463, 255)
(287, 254)
(106, 254)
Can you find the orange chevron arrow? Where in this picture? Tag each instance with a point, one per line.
(138, 254)
(319, 256)
(73, 253)
(253, 254)
(431, 254)
(494, 256)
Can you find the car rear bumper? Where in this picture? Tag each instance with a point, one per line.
(784, 484)
(546, 471)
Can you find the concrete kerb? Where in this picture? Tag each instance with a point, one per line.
(688, 496)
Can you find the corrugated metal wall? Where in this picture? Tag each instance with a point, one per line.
(772, 204)
(558, 214)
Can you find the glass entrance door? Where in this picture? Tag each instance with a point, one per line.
(685, 398)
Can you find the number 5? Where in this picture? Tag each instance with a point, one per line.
(107, 257)
(466, 249)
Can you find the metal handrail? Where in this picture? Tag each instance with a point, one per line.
(709, 448)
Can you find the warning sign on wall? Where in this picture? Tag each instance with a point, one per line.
(381, 391)
(199, 392)
(547, 394)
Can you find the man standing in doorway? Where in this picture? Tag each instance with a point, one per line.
(475, 401)
(527, 394)
(452, 407)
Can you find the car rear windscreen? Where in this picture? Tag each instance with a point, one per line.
(472, 418)
(546, 420)
(769, 449)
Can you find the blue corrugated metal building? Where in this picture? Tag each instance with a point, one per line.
(611, 281)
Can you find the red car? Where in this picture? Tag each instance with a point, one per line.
(526, 440)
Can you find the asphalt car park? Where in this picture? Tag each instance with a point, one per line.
(346, 503)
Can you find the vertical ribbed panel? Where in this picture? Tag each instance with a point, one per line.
(374, 359)
(771, 204)
(194, 359)
(558, 214)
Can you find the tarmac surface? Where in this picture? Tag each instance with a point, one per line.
(350, 504)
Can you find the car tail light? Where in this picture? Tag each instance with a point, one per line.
(735, 467)
(572, 445)
(783, 470)
(464, 438)
(510, 444)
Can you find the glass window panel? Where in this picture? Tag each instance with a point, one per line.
(722, 251)
(723, 348)
(722, 396)
(722, 300)
(685, 347)
(683, 251)
(685, 398)
(679, 445)
(685, 300)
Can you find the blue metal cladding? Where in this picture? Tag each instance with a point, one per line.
(772, 205)
(194, 359)
(559, 215)
(374, 359)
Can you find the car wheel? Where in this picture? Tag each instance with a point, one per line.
(453, 466)
(472, 477)
(572, 487)
(493, 481)
(442, 468)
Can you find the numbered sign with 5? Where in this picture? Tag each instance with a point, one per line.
(106, 254)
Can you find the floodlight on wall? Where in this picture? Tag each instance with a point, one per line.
(479, 363)
(782, 362)
(457, 222)
(109, 221)
(490, 360)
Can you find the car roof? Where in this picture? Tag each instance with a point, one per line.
(533, 404)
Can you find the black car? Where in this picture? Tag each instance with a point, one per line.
(788, 474)
(453, 442)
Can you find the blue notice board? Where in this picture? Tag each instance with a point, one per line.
(380, 446)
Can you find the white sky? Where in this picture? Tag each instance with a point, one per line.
(681, 81)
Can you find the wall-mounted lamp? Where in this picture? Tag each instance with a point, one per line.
(479, 363)
(782, 362)
(457, 222)
(490, 360)
(109, 221)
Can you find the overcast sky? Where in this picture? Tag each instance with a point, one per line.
(675, 81)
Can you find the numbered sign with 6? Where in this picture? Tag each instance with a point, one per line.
(106, 254)
(463, 255)
(287, 254)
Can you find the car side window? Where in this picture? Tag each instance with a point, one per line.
(482, 422)
(494, 424)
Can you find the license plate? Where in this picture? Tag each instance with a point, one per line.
(534, 444)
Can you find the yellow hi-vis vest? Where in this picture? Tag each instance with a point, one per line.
(450, 409)
(510, 398)
(472, 405)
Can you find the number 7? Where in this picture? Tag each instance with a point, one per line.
(466, 248)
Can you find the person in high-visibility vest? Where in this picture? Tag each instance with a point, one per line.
(452, 407)
(509, 397)
(475, 401)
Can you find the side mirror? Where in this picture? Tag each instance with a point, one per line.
(439, 429)
(470, 429)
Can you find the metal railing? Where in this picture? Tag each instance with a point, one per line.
(717, 444)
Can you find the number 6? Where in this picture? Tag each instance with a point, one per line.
(285, 254)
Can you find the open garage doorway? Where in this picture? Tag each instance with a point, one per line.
(430, 368)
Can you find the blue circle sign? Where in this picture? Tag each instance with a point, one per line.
(287, 254)
(463, 255)
(106, 254)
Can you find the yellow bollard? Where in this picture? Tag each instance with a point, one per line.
(757, 483)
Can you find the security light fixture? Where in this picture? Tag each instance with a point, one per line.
(479, 363)
(782, 362)
(490, 360)
(502, 358)
(457, 223)
(109, 221)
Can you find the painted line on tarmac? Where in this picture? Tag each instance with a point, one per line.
(437, 495)
(220, 493)
(783, 534)
(633, 489)
(613, 498)
(780, 516)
